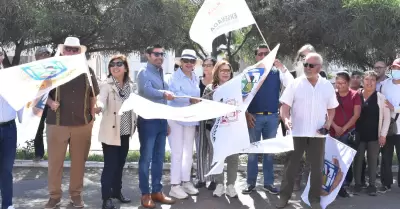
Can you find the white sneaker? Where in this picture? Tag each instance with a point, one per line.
(231, 191)
(219, 191)
(10, 207)
(178, 192)
(189, 188)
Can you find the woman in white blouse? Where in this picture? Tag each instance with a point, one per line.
(115, 130)
(183, 82)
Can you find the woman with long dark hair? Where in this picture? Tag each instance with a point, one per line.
(115, 130)
(203, 147)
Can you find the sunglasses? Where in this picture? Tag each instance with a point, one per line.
(262, 54)
(310, 65)
(118, 64)
(159, 54)
(71, 49)
(208, 65)
(188, 61)
(227, 70)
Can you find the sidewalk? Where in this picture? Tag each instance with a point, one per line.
(30, 192)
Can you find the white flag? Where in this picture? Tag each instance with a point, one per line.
(32, 114)
(23, 83)
(232, 128)
(203, 110)
(338, 158)
(217, 17)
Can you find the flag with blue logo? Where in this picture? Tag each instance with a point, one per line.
(338, 158)
(23, 83)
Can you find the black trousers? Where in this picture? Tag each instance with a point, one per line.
(387, 160)
(38, 141)
(114, 162)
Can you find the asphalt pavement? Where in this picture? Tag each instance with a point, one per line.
(30, 191)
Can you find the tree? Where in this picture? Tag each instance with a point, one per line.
(109, 26)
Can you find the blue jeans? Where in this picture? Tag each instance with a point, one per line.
(8, 147)
(152, 138)
(266, 125)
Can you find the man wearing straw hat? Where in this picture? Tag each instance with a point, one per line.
(69, 122)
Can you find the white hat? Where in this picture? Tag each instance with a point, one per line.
(72, 42)
(189, 54)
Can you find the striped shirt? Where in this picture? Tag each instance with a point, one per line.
(309, 105)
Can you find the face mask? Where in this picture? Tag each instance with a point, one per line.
(396, 74)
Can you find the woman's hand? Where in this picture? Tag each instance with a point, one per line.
(382, 141)
(389, 105)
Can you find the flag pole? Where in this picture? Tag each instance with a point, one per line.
(262, 36)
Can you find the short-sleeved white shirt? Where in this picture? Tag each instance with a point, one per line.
(309, 105)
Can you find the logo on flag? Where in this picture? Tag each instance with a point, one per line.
(45, 71)
(251, 78)
(332, 176)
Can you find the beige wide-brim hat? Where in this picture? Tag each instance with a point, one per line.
(72, 42)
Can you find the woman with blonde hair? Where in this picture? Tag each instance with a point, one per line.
(222, 73)
(115, 129)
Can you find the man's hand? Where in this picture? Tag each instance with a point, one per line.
(389, 105)
(251, 120)
(288, 123)
(382, 141)
(54, 105)
(280, 66)
(98, 110)
(169, 95)
(168, 130)
(194, 101)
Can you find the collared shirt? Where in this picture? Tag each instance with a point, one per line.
(309, 105)
(182, 85)
(75, 100)
(391, 92)
(8, 113)
(151, 84)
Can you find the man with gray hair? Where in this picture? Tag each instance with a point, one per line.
(308, 108)
(41, 53)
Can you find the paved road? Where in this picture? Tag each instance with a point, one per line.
(30, 191)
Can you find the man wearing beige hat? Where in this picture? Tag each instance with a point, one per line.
(69, 122)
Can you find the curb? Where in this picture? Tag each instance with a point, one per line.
(134, 165)
(130, 165)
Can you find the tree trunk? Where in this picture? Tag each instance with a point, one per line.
(19, 47)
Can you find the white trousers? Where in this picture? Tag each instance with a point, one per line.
(181, 141)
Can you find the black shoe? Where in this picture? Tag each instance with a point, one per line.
(248, 189)
(371, 190)
(121, 198)
(343, 193)
(357, 189)
(108, 204)
(271, 189)
(200, 184)
(212, 186)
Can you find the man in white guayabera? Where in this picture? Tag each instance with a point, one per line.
(308, 108)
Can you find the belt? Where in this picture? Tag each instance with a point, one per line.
(264, 113)
(6, 123)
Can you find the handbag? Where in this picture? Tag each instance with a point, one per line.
(393, 126)
(353, 139)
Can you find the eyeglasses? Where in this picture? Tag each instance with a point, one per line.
(262, 54)
(159, 54)
(188, 61)
(310, 65)
(208, 65)
(71, 49)
(379, 68)
(113, 64)
(226, 70)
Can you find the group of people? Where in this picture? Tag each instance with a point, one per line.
(364, 117)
